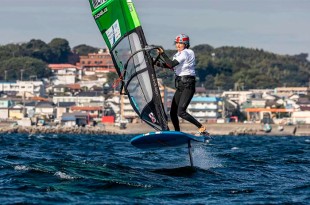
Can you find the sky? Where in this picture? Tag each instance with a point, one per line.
(278, 26)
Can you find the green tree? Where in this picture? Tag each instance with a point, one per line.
(23, 68)
(209, 82)
(60, 50)
(38, 49)
(222, 81)
(84, 50)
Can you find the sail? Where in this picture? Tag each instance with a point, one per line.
(120, 27)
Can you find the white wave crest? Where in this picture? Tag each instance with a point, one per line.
(21, 168)
(63, 175)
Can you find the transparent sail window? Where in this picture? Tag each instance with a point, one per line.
(139, 85)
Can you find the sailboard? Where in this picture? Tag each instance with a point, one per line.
(121, 30)
(134, 61)
(168, 139)
(165, 139)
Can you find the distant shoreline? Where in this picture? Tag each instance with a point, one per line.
(139, 128)
(222, 129)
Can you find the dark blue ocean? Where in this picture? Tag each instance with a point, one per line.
(106, 169)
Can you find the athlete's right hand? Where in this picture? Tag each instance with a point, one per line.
(160, 50)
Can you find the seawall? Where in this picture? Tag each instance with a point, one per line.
(138, 128)
(220, 129)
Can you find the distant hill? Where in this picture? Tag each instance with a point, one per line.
(243, 68)
(217, 68)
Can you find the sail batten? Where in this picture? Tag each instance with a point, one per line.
(120, 27)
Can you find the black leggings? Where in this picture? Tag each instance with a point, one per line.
(181, 99)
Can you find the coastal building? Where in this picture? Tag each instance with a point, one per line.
(257, 97)
(66, 89)
(75, 119)
(59, 89)
(6, 103)
(65, 73)
(304, 103)
(91, 111)
(45, 110)
(291, 104)
(301, 117)
(201, 91)
(81, 98)
(16, 112)
(214, 93)
(63, 107)
(238, 97)
(128, 111)
(277, 114)
(23, 88)
(90, 84)
(257, 103)
(97, 65)
(206, 109)
(288, 91)
(263, 91)
(30, 108)
(4, 108)
(11, 111)
(121, 107)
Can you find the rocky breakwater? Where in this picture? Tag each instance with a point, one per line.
(244, 131)
(55, 130)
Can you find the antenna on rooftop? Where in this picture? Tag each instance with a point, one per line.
(21, 74)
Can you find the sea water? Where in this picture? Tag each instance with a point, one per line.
(106, 169)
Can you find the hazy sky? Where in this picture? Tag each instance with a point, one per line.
(280, 26)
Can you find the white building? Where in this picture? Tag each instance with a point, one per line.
(4, 108)
(288, 91)
(65, 73)
(121, 106)
(81, 99)
(206, 108)
(238, 97)
(301, 117)
(24, 88)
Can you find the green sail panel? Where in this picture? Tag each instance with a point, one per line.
(114, 19)
(120, 28)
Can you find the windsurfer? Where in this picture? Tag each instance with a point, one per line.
(183, 64)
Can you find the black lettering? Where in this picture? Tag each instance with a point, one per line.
(102, 12)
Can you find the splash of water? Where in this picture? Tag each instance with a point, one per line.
(204, 159)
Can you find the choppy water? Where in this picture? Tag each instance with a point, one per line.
(94, 169)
